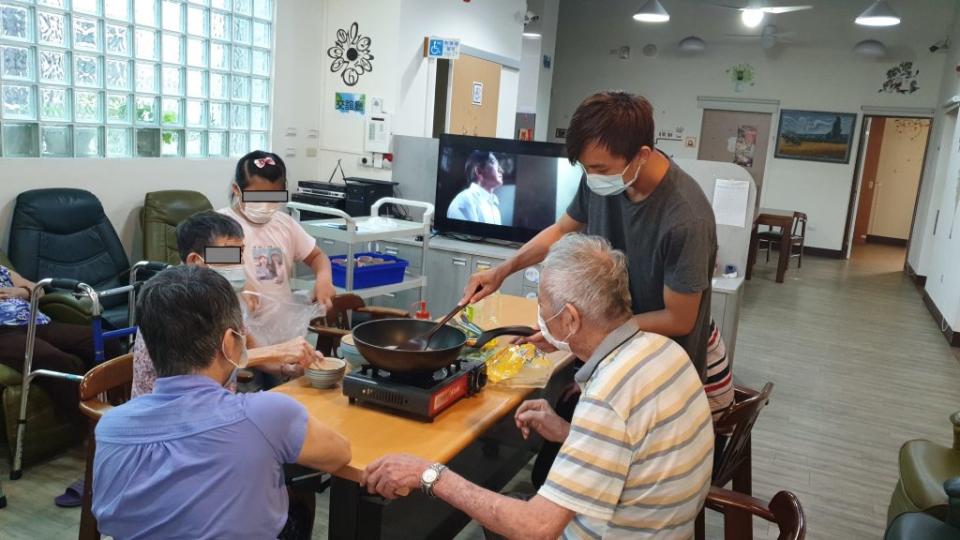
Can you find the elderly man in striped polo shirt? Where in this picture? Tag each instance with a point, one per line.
(637, 457)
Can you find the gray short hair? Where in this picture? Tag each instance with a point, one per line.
(183, 313)
(588, 273)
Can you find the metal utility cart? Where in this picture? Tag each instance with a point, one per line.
(368, 230)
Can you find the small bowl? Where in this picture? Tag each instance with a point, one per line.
(327, 377)
(349, 352)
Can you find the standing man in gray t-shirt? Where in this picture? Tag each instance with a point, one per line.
(646, 206)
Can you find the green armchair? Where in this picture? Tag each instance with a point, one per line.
(920, 526)
(161, 213)
(924, 467)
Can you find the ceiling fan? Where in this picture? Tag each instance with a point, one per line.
(768, 37)
(754, 11)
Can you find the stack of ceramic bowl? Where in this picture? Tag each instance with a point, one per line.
(349, 352)
(326, 373)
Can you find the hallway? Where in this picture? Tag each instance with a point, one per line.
(859, 368)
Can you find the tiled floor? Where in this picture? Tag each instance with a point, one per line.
(859, 368)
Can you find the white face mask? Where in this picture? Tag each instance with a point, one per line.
(608, 185)
(259, 212)
(234, 274)
(560, 345)
(244, 357)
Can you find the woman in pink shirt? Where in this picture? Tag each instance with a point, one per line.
(271, 236)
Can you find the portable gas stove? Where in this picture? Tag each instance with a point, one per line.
(419, 396)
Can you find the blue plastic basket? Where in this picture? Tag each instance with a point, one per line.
(369, 276)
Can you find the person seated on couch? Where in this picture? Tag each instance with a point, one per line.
(636, 459)
(59, 346)
(213, 229)
(191, 459)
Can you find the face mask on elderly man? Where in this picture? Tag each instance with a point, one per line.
(563, 345)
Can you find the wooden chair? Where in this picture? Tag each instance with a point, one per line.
(336, 323)
(784, 509)
(732, 460)
(767, 239)
(102, 388)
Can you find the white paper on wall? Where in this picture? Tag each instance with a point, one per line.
(730, 199)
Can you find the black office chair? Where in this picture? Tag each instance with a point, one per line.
(64, 233)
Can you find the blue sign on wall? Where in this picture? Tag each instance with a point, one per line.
(445, 48)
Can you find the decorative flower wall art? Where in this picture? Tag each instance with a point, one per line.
(901, 79)
(741, 75)
(351, 55)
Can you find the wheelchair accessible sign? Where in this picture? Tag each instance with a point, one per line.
(445, 48)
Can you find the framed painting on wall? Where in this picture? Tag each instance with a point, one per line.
(815, 135)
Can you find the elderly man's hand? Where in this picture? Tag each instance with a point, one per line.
(538, 341)
(538, 415)
(294, 356)
(394, 475)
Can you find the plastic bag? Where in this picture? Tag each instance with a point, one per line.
(519, 366)
(271, 320)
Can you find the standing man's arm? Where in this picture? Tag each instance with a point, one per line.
(677, 318)
(530, 254)
(687, 270)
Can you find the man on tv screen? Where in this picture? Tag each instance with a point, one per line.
(477, 202)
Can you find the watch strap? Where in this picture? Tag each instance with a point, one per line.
(427, 487)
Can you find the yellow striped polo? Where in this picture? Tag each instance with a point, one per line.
(638, 459)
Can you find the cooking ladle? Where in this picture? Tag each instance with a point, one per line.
(422, 343)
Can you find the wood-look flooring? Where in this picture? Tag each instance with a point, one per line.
(858, 365)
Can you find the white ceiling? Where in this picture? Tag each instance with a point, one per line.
(830, 24)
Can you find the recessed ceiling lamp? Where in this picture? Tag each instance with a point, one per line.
(752, 17)
(652, 11)
(870, 48)
(879, 14)
(692, 44)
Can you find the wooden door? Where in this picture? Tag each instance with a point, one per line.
(474, 97)
(868, 181)
(736, 137)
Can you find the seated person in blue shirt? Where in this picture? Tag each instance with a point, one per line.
(193, 460)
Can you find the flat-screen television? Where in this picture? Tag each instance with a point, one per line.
(501, 189)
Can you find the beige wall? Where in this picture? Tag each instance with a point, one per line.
(898, 176)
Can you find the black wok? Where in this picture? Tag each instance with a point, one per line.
(373, 340)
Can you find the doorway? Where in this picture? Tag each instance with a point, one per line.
(739, 137)
(884, 197)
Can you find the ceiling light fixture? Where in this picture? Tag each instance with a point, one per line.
(692, 44)
(653, 12)
(752, 17)
(879, 14)
(870, 48)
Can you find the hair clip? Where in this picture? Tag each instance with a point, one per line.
(262, 162)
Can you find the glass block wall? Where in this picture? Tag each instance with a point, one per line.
(134, 78)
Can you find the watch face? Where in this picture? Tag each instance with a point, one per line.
(429, 476)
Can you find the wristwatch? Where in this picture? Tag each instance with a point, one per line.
(430, 477)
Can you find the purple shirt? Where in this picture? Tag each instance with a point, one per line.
(192, 460)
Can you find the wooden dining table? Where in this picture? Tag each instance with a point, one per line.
(455, 433)
(774, 218)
